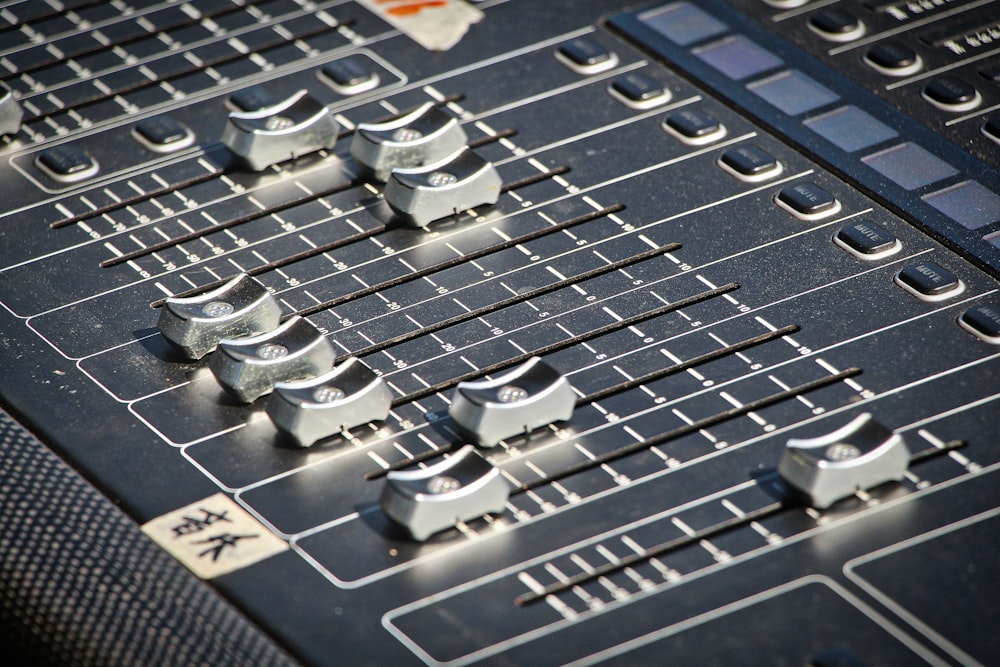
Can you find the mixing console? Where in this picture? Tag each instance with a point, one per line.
(504, 332)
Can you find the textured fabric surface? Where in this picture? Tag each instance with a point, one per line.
(81, 585)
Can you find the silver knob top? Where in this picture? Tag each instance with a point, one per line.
(459, 182)
(284, 131)
(348, 395)
(241, 307)
(860, 455)
(250, 367)
(423, 136)
(532, 395)
(428, 500)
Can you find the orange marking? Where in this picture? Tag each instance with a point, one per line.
(412, 8)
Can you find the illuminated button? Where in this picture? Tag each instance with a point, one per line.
(422, 136)
(983, 322)
(290, 129)
(441, 189)
(694, 127)
(426, 501)
(893, 59)
(639, 91)
(241, 307)
(950, 93)
(929, 281)
(66, 164)
(347, 396)
(586, 56)
(867, 241)
(349, 76)
(163, 134)
(836, 25)
(11, 113)
(253, 98)
(807, 201)
(532, 395)
(248, 368)
(750, 163)
(858, 456)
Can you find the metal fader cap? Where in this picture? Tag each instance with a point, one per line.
(425, 135)
(533, 394)
(459, 182)
(284, 131)
(860, 455)
(248, 368)
(426, 501)
(347, 396)
(241, 307)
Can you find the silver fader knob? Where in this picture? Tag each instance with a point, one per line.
(532, 395)
(287, 130)
(437, 190)
(464, 486)
(241, 307)
(347, 396)
(248, 368)
(10, 111)
(860, 455)
(425, 135)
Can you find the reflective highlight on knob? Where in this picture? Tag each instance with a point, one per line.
(10, 111)
(241, 307)
(440, 189)
(462, 487)
(532, 395)
(346, 396)
(423, 136)
(858, 456)
(284, 131)
(248, 368)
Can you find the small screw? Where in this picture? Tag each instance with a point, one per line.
(439, 179)
(407, 134)
(443, 484)
(511, 394)
(218, 309)
(328, 394)
(842, 452)
(270, 351)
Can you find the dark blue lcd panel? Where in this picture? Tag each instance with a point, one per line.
(909, 166)
(851, 129)
(968, 203)
(793, 92)
(683, 23)
(738, 57)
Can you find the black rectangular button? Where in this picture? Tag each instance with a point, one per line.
(66, 163)
(867, 238)
(929, 280)
(807, 201)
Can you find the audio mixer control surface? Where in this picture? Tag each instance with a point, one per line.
(506, 333)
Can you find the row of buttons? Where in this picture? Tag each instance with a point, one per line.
(928, 281)
(850, 128)
(896, 59)
(163, 134)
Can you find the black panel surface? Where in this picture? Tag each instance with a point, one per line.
(701, 323)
